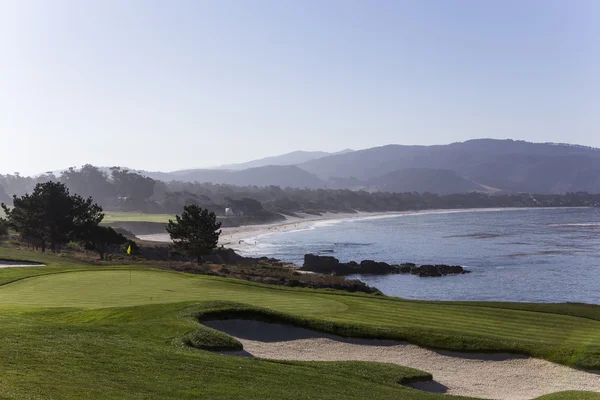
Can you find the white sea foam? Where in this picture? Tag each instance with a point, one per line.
(583, 224)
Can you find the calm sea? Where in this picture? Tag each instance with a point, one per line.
(536, 255)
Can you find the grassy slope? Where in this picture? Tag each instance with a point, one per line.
(571, 396)
(123, 216)
(58, 339)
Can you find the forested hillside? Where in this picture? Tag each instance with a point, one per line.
(123, 190)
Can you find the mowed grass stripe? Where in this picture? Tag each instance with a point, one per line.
(470, 315)
(511, 324)
(532, 336)
(493, 326)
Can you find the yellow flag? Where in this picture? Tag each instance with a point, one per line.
(129, 250)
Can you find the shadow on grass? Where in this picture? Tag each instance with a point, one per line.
(270, 332)
(482, 356)
(429, 386)
(242, 353)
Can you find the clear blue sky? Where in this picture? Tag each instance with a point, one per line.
(164, 85)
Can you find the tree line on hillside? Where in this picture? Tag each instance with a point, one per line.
(118, 189)
(51, 217)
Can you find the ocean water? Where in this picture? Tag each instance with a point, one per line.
(534, 255)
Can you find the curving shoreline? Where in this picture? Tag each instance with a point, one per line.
(242, 236)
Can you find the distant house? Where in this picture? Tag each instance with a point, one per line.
(230, 212)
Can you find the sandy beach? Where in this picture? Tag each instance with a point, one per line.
(240, 236)
(18, 264)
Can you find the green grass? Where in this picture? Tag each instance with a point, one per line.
(72, 331)
(111, 217)
(119, 216)
(571, 396)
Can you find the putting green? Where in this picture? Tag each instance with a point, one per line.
(121, 288)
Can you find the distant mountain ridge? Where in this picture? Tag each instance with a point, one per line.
(461, 157)
(508, 165)
(293, 158)
(483, 165)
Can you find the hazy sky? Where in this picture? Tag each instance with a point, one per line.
(165, 85)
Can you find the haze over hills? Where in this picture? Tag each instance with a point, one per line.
(484, 165)
(277, 175)
(4, 197)
(421, 180)
(465, 157)
(512, 166)
(293, 158)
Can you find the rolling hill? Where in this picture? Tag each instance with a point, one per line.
(476, 165)
(293, 158)
(511, 166)
(277, 175)
(440, 181)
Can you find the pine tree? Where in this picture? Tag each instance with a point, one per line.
(196, 232)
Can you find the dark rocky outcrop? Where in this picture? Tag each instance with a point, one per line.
(374, 267)
(273, 272)
(220, 255)
(331, 265)
(426, 271)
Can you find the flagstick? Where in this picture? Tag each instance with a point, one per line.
(130, 261)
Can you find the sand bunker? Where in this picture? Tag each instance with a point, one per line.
(490, 376)
(16, 263)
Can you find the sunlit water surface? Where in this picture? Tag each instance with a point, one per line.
(537, 255)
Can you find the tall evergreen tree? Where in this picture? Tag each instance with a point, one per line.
(51, 216)
(196, 232)
(3, 229)
(4, 198)
(26, 219)
(102, 239)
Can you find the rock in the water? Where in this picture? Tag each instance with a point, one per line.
(405, 268)
(373, 267)
(429, 271)
(437, 270)
(331, 265)
(322, 264)
(450, 269)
